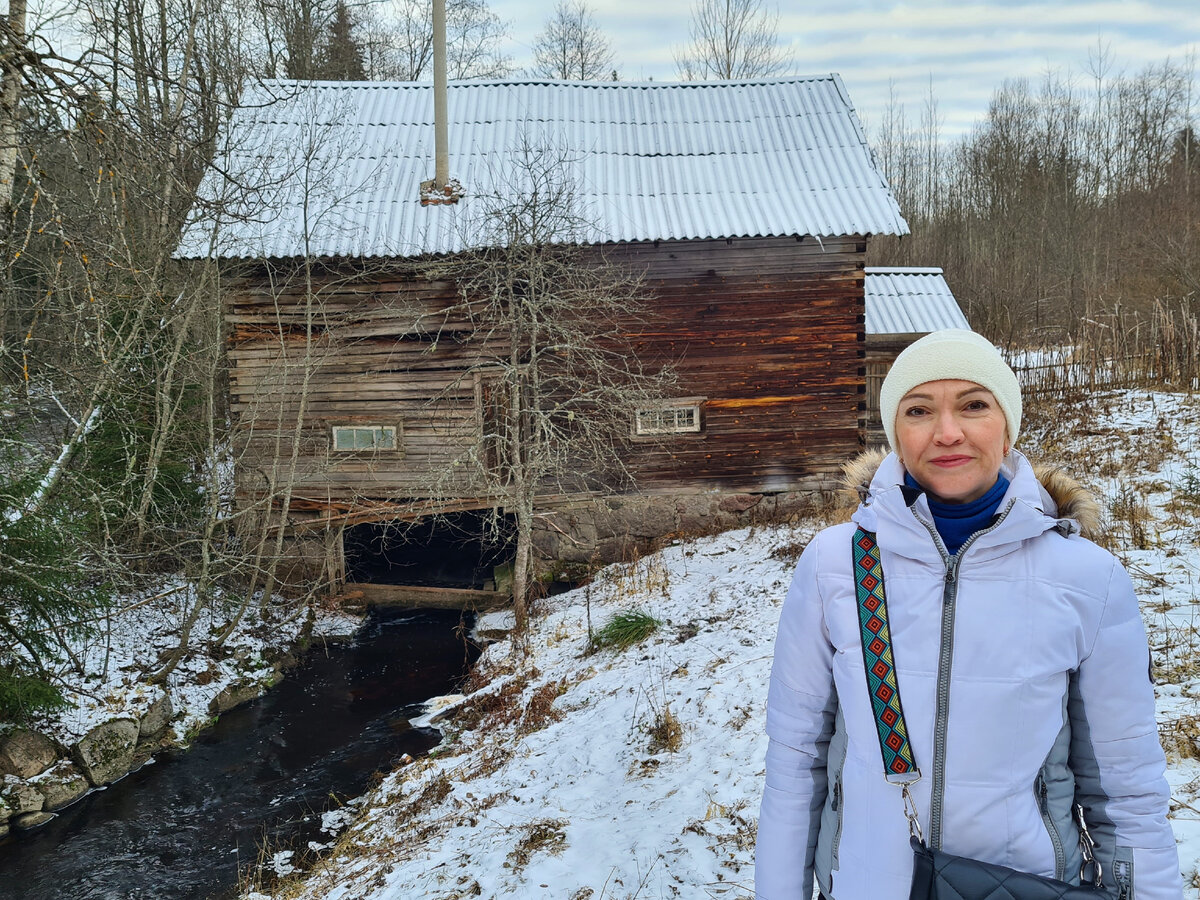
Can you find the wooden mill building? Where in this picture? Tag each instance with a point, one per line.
(745, 207)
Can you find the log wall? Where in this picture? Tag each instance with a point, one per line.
(768, 331)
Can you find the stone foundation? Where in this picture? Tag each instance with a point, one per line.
(615, 529)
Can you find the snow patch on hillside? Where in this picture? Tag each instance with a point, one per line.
(559, 786)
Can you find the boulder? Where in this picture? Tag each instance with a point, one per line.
(106, 752)
(62, 785)
(26, 753)
(33, 819)
(739, 503)
(155, 720)
(235, 695)
(3, 830)
(19, 797)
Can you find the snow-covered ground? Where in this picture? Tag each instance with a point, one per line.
(564, 781)
(128, 644)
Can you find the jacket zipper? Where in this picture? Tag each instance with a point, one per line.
(1060, 856)
(1123, 877)
(837, 833)
(945, 659)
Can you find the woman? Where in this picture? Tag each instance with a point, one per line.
(1019, 651)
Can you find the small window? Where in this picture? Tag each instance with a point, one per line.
(364, 437)
(680, 419)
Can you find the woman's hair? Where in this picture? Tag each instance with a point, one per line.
(951, 353)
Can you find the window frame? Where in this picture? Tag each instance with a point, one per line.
(676, 405)
(375, 427)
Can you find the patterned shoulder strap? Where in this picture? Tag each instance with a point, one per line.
(878, 661)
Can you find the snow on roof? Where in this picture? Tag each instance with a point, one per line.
(334, 168)
(909, 300)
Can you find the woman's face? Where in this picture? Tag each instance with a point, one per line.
(952, 437)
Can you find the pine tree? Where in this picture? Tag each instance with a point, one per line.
(342, 55)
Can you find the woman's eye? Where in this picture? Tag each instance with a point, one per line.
(915, 411)
(977, 405)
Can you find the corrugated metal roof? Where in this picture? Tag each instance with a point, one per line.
(909, 300)
(647, 161)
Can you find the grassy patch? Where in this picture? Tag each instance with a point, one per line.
(547, 835)
(624, 630)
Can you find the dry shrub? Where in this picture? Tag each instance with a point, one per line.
(505, 706)
(547, 835)
(540, 711)
(1185, 497)
(484, 711)
(1131, 517)
(790, 551)
(482, 675)
(1181, 737)
(666, 732)
(431, 795)
(1120, 348)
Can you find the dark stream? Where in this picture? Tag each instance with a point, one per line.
(185, 826)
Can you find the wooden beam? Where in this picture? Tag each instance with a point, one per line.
(408, 596)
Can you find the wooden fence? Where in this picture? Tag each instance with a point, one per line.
(1118, 349)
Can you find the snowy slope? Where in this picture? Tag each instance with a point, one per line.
(558, 789)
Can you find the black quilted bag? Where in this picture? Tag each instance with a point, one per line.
(937, 875)
(942, 876)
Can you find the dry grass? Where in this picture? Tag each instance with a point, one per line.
(1123, 348)
(1181, 737)
(482, 675)
(547, 836)
(1130, 519)
(486, 710)
(665, 732)
(508, 705)
(790, 551)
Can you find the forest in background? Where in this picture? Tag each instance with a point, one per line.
(1071, 199)
(1071, 202)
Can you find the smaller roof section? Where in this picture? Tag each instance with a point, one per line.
(909, 300)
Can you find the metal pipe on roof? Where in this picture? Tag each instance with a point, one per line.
(440, 139)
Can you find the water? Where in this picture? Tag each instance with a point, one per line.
(185, 826)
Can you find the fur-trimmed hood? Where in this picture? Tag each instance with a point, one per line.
(1070, 499)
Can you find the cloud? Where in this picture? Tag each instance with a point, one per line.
(968, 50)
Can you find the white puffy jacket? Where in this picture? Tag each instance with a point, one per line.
(1026, 654)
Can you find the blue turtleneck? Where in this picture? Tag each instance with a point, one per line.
(956, 522)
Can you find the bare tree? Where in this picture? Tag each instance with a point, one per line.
(559, 381)
(402, 47)
(1069, 195)
(572, 47)
(732, 39)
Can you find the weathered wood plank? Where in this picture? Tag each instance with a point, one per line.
(417, 597)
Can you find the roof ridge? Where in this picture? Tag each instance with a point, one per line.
(549, 82)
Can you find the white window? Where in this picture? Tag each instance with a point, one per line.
(364, 437)
(681, 417)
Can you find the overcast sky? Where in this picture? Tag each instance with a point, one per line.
(966, 49)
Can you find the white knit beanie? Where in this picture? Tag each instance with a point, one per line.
(951, 353)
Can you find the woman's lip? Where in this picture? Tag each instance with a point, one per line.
(948, 461)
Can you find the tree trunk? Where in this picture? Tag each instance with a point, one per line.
(12, 63)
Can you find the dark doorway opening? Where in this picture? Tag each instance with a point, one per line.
(467, 550)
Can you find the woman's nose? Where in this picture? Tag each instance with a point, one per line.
(948, 430)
